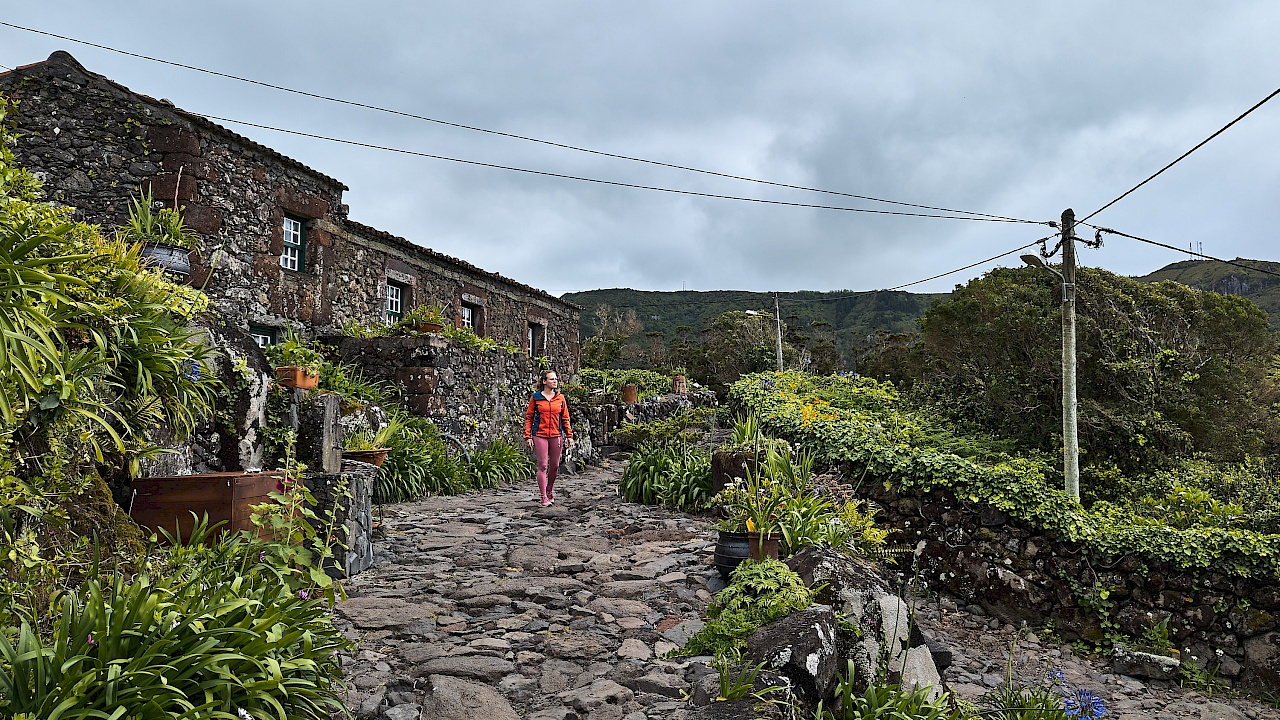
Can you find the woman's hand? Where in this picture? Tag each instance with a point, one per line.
(570, 442)
(529, 442)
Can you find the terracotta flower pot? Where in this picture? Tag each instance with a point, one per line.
(428, 327)
(762, 545)
(373, 457)
(296, 377)
(630, 394)
(679, 385)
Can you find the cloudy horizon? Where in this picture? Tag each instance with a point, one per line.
(1019, 111)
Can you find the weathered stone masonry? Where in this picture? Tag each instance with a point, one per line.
(95, 142)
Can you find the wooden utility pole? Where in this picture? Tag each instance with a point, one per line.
(777, 318)
(1070, 440)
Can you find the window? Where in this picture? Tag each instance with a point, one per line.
(264, 336)
(473, 317)
(294, 255)
(537, 339)
(397, 293)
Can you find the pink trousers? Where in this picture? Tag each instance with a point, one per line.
(547, 452)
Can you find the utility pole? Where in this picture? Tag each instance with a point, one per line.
(1070, 440)
(777, 317)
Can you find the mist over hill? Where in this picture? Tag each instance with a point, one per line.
(853, 316)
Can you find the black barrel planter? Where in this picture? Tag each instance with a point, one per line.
(731, 549)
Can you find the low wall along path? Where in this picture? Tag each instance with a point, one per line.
(486, 605)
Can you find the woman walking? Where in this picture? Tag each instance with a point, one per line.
(546, 426)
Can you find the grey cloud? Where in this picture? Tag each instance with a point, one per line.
(1017, 109)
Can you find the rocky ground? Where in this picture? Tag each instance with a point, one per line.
(487, 605)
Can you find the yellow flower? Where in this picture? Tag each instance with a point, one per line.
(751, 525)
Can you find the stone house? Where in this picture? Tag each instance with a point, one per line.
(279, 251)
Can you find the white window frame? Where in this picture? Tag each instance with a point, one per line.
(468, 316)
(395, 302)
(292, 256)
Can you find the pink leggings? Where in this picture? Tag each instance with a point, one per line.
(547, 452)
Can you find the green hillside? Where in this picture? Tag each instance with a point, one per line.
(1261, 288)
(852, 315)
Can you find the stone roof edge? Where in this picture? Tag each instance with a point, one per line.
(361, 229)
(64, 56)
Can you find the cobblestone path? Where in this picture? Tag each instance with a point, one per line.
(488, 606)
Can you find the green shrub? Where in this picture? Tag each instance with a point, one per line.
(886, 701)
(418, 464)
(220, 634)
(684, 427)
(500, 462)
(673, 475)
(758, 593)
(649, 383)
(859, 422)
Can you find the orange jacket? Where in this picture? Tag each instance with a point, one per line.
(540, 418)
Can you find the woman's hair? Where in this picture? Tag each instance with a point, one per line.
(542, 379)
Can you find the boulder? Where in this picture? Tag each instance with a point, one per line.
(456, 699)
(802, 647)
(1143, 665)
(1262, 663)
(849, 583)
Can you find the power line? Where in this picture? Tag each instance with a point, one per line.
(972, 265)
(1109, 231)
(782, 298)
(1179, 159)
(615, 183)
(514, 136)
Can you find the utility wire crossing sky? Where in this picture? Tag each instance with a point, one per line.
(797, 102)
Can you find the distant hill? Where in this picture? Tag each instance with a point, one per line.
(852, 315)
(1261, 288)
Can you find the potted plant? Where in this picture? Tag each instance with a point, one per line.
(679, 383)
(368, 446)
(298, 365)
(166, 242)
(424, 319)
(751, 507)
(746, 448)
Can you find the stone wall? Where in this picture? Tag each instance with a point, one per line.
(1020, 574)
(95, 142)
(473, 395)
(607, 417)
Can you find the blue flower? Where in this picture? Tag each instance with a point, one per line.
(767, 383)
(1058, 676)
(191, 370)
(1083, 705)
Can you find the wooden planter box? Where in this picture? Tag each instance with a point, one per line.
(168, 502)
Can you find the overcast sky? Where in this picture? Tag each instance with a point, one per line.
(1016, 109)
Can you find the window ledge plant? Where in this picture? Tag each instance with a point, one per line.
(424, 319)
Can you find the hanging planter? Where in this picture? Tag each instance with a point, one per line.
(428, 327)
(296, 376)
(174, 260)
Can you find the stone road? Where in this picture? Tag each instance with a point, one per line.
(487, 605)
